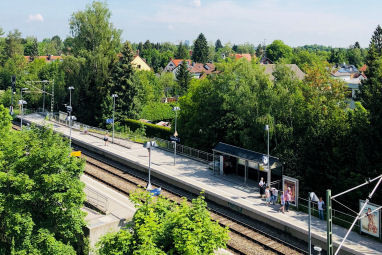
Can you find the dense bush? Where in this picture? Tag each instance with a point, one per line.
(164, 227)
(156, 111)
(151, 130)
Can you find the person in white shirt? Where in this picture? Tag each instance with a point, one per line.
(261, 187)
(320, 205)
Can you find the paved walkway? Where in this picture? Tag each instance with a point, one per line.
(197, 174)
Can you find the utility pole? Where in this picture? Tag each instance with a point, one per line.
(175, 109)
(329, 222)
(13, 80)
(269, 169)
(52, 100)
(70, 115)
(114, 97)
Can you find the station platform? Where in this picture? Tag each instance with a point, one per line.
(195, 176)
(114, 210)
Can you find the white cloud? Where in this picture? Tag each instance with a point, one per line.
(196, 3)
(35, 17)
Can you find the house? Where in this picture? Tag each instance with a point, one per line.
(48, 59)
(197, 70)
(352, 77)
(244, 55)
(270, 68)
(140, 64)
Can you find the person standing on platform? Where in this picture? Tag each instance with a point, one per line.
(287, 198)
(261, 187)
(282, 202)
(106, 138)
(268, 195)
(274, 195)
(321, 205)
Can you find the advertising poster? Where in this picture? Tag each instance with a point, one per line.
(292, 185)
(371, 223)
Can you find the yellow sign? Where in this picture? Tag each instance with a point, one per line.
(75, 154)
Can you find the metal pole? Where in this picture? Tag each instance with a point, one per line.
(310, 234)
(112, 139)
(22, 109)
(176, 114)
(70, 118)
(329, 240)
(52, 100)
(269, 170)
(43, 101)
(363, 184)
(174, 153)
(149, 185)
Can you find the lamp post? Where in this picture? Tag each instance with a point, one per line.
(22, 106)
(13, 90)
(69, 109)
(114, 96)
(148, 146)
(312, 197)
(175, 109)
(269, 169)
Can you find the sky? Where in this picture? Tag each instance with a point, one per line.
(337, 23)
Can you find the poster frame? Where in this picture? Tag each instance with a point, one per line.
(379, 219)
(296, 182)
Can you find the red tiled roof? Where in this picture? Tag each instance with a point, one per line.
(363, 68)
(246, 56)
(179, 61)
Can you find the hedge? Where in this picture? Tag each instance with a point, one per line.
(151, 130)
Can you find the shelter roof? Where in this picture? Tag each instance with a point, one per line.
(244, 154)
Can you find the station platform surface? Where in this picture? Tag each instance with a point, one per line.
(195, 175)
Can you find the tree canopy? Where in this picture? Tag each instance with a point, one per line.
(163, 227)
(40, 193)
(200, 51)
(277, 50)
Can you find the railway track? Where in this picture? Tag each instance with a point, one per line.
(244, 239)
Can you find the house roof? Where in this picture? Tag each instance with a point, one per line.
(270, 68)
(245, 55)
(242, 153)
(207, 68)
(179, 61)
(363, 68)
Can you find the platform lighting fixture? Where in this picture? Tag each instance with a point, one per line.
(114, 96)
(149, 145)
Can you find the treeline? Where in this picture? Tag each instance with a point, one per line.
(320, 139)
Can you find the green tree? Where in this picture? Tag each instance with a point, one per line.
(163, 227)
(200, 52)
(40, 193)
(122, 84)
(13, 44)
(182, 52)
(218, 45)
(277, 50)
(97, 42)
(183, 76)
(371, 96)
(31, 47)
(259, 51)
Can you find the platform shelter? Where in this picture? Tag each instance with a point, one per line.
(229, 159)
